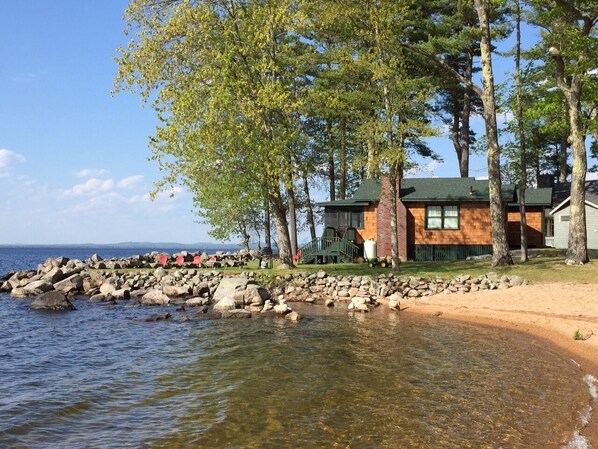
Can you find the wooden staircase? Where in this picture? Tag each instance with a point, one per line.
(329, 250)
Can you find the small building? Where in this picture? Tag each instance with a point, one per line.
(558, 218)
(437, 219)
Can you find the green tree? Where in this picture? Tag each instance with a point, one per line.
(570, 41)
(225, 80)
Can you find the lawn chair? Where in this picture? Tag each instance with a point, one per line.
(196, 261)
(180, 260)
(163, 259)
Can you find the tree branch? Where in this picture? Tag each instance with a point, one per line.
(444, 66)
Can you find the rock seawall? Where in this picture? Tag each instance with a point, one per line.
(198, 288)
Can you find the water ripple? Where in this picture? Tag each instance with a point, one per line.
(94, 378)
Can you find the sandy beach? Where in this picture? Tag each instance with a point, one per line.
(553, 312)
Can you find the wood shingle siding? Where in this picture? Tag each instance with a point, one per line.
(535, 227)
(474, 226)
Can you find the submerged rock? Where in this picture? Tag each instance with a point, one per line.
(52, 300)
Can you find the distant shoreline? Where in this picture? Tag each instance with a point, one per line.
(128, 245)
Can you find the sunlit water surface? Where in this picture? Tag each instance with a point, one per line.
(93, 378)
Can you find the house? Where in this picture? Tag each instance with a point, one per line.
(558, 218)
(437, 219)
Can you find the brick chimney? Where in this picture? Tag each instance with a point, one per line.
(383, 243)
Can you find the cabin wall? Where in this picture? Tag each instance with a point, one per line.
(370, 224)
(534, 216)
(474, 226)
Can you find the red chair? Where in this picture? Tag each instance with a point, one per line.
(297, 257)
(163, 259)
(180, 260)
(196, 261)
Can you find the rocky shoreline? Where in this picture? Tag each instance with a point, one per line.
(143, 280)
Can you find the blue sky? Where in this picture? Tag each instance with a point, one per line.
(73, 159)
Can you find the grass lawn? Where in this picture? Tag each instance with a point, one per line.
(545, 265)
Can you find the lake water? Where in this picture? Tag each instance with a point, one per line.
(94, 378)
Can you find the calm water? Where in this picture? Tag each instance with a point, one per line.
(28, 258)
(92, 378)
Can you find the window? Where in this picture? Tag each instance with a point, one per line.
(442, 217)
(565, 218)
(549, 227)
(344, 218)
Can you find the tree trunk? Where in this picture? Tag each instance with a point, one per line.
(562, 158)
(500, 244)
(394, 240)
(267, 224)
(577, 248)
(310, 211)
(342, 159)
(465, 137)
(292, 218)
(331, 169)
(282, 229)
(522, 139)
(373, 168)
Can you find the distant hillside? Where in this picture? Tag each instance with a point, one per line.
(200, 246)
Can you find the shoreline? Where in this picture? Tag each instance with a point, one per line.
(551, 312)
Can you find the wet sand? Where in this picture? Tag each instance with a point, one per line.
(553, 312)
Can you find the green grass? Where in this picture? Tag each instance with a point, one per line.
(547, 265)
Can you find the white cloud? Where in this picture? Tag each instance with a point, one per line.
(430, 168)
(130, 181)
(92, 187)
(8, 159)
(92, 173)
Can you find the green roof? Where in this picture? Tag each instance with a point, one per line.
(367, 192)
(537, 197)
(434, 190)
(450, 189)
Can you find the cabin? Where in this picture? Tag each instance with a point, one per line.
(558, 218)
(437, 219)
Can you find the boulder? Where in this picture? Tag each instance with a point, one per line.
(54, 275)
(175, 290)
(121, 293)
(38, 287)
(293, 316)
(236, 313)
(52, 300)
(155, 298)
(70, 284)
(18, 293)
(107, 288)
(196, 302)
(229, 286)
(282, 308)
(225, 304)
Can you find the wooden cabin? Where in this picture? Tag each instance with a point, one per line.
(437, 219)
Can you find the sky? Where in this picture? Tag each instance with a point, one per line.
(74, 162)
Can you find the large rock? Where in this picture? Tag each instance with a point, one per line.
(196, 302)
(155, 298)
(229, 286)
(225, 304)
(54, 275)
(70, 285)
(52, 300)
(175, 290)
(38, 287)
(18, 293)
